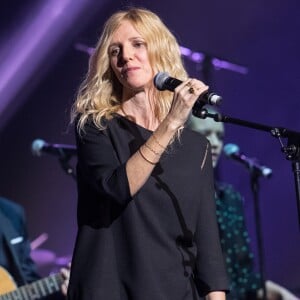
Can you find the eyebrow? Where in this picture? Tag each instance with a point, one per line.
(130, 39)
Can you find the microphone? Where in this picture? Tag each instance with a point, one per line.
(233, 151)
(163, 81)
(38, 147)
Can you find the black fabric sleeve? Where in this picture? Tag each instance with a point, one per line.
(99, 167)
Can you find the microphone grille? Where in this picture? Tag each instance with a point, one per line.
(230, 149)
(159, 80)
(37, 146)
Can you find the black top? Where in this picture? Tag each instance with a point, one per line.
(235, 243)
(155, 244)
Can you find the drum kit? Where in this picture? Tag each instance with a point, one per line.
(45, 258)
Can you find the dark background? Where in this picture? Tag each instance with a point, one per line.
(260, 35)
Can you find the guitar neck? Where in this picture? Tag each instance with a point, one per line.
(36, 290)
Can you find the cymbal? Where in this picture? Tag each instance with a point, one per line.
(43, 257)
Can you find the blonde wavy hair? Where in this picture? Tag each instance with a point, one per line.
(99, 96)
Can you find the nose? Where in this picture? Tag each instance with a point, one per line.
(214, 141)
(127, 53)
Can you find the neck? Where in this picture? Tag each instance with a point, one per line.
(140, 109)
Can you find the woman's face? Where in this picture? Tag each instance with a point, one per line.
(214, 131)
(129, 59)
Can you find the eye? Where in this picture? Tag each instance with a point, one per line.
(139, 44)
(220, 136)
(114, 51)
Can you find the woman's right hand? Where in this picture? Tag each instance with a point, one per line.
(185, 96)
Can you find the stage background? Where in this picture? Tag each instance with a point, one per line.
(263, 36)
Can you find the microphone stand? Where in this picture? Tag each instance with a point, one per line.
(254, 175)
(292, 152)
(64, 163)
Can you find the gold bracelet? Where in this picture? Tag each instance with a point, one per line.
(157, 142)
(144, 157)
(152, 150)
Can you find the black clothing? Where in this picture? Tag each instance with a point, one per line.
(14, 245)
(235, 243)
(153, 245)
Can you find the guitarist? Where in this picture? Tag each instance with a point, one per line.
(15, 246)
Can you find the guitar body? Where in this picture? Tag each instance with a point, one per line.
(35, 290)
(7, 283)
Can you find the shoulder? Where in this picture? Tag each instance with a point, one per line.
(195, 134)
(10, 208)
(90, 130)
(91, 126)
(194, 137)
(195, 143)
(227, 192)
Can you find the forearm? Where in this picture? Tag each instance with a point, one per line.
(215, 296)
(141, 164)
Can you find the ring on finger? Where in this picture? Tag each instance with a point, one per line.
(191, 90)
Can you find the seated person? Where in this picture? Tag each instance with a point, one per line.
(244, 282)
(16, 266)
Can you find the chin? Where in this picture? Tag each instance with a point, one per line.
(214, 163)
(136, 86)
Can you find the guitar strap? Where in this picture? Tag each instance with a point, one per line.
(8, 232)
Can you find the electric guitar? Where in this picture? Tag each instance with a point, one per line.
(35, 290)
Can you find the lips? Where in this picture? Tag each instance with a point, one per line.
(214, 156)
(128, 70)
